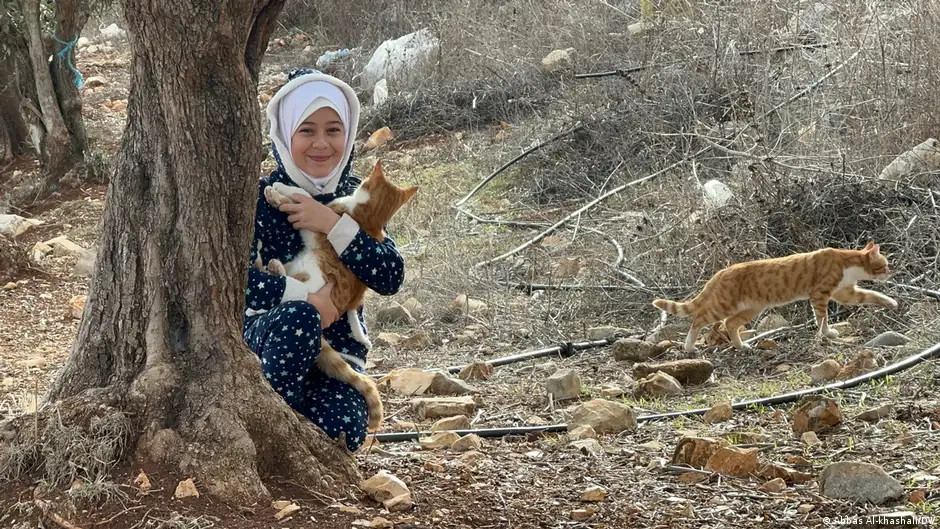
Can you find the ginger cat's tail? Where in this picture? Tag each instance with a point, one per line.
(331, 363)
(673, 307)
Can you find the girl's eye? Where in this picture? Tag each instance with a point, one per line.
(335, 130)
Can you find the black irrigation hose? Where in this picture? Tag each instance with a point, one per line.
(776, 399)
(565, 350)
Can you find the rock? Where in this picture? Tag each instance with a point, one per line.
(378, 139)
(717, 194)
(766, 344)
(863, 363)
(594, 493)
(394, 314)
(113, 32)
(186, 489)
(639, 28)
(633, 350)
(457, 422)
(918, 162)
(471, 458)
(565, 384)
(436, 408)
(10, 286)
(13, 225)
(697, 451)
(588, 447)
(77, 306)
(733, 461)
(816, 414)
(917, 496)
(431, 466)
(40, 250)
(415, 308)
(442, 384)
(95, 81)
(62, 246)
(287, 511)
(605, 333)
(413, 381)
(388, 339)
(82, 42)
(467, 443)
(462, 305)
(580, 515)
(477, 371)
(32, 362)
(381, 523)
(720, 412)
(557, 60)
(688, 372)
(825, 371)
(438, 440)
(805, 508)
(605, 416)
(611, 392)
(584, 431)
(770, 322)
(774, 485)
(658, 384)
(771, 471)
(876, 414)
(143, 482)
(388, 490)
(810, 438)
(86, 263)
(888, 339)
(858, 481)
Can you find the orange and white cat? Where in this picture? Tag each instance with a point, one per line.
(740, 292)
(373, 203)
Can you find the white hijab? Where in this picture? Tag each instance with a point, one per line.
(293, 103)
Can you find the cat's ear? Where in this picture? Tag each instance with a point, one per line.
(378, 172)
(870, 245)
(408, 193)
(874, 249)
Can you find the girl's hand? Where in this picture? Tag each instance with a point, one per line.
(308, 214)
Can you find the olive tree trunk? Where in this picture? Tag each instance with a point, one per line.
(161, 338)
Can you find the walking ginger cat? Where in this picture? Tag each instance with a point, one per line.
(372, 205)
(740, 292)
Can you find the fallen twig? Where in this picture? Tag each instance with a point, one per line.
(46, 507)
(506, 165)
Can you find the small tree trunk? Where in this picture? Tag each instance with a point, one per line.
(14, 133)
(161, 334)
(71, 16)
(57, 156)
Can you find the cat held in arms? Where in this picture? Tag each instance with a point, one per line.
(372, 205)
(740, 292)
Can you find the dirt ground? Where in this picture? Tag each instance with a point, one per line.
(523, 481)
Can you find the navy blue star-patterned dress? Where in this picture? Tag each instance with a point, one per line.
(284, 329)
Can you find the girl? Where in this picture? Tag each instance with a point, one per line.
(314, 118)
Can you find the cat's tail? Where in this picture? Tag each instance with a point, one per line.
(674, 307)
(331, 363)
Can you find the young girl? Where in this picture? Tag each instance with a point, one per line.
(313, 118)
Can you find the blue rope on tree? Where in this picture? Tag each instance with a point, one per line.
(65, 52)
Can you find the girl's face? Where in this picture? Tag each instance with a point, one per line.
(318, 145)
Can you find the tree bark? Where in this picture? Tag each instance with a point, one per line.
(14, 132)
(161, 334)
(56, 145)
(70, 17)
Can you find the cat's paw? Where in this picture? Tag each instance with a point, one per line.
(889, 303)
(289, 191)
(276, 267)
(274, 198)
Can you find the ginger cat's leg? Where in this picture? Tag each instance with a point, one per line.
(276, 267)
(734, 323)
(820, 302)
(852, 295)
(698, 323)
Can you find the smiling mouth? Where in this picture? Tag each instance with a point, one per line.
(320, 159)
